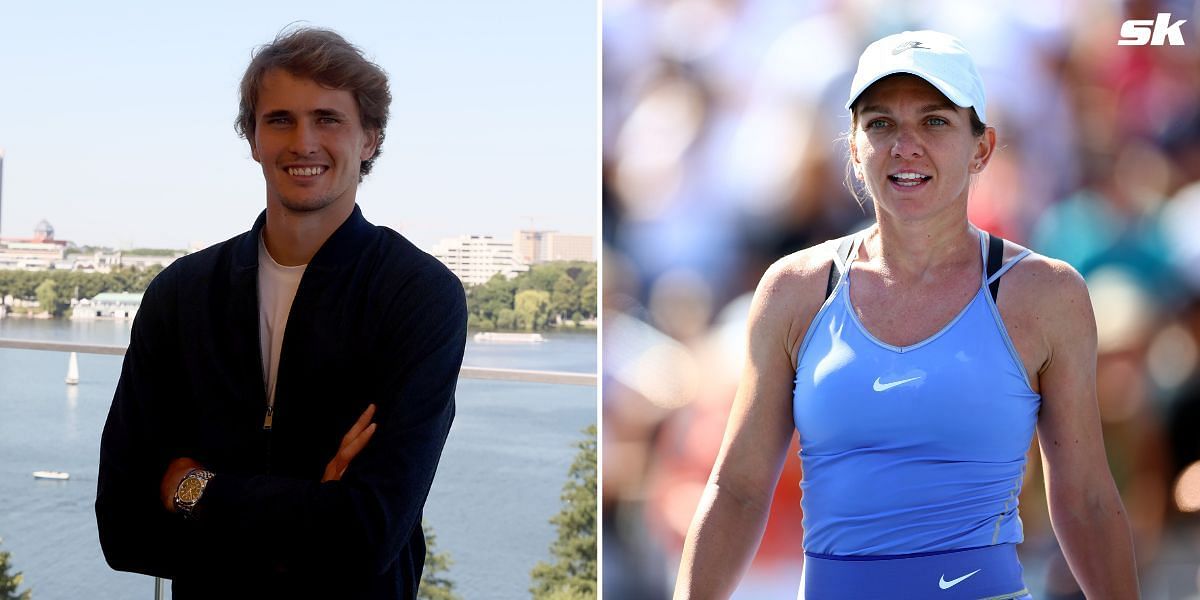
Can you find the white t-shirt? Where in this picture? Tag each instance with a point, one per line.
(277, 286)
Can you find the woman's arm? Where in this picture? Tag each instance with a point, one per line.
(1085, 508)
(732, 513)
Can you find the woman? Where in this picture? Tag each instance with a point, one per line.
(918, 356)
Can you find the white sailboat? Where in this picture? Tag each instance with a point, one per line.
(73, 370)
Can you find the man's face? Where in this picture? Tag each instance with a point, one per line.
(310, 142)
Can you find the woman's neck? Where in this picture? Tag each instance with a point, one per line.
(911, 251)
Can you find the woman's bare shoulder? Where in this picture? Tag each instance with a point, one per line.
(790, 293)
(1047, 286)
(1038, 272)
(799, 277)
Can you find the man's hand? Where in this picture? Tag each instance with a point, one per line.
(176, 471)
(353, 442)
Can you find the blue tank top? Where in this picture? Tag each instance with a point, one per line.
(917, 448)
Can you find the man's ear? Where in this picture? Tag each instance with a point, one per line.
(370, 144)
(253, 149)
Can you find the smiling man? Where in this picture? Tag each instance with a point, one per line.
(287, 393)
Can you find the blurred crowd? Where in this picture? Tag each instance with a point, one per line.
(723, 130)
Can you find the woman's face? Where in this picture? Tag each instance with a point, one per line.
(914, 149)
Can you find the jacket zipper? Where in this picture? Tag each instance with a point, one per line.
(270, 412)
(267, 432)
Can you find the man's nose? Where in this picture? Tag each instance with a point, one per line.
(304, 139)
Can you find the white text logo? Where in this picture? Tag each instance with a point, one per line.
(1139, 32)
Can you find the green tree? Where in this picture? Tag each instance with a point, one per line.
(153, 252)
(47, 296)
(573, 574)
(10, 583)
(506, 319)
(564, 299)
(488, 299)
(435, 584)
(571, 287)
(540, 277)
(24, 284)
(475, 321)
(587, 298)
(533, 309)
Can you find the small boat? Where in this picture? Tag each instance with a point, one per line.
(59, 475)
(509, 338)
(73, 370)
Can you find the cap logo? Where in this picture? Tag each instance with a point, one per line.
(909, 46)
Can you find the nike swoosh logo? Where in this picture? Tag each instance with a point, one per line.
(879, 386)
(945, 585)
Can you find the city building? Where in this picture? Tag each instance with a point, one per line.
(107, 305)
(42, 252)
(476, 258)
(104, 261)
(36, 253)
(534, 247)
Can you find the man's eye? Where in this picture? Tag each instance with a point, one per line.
(938, 121)
(277, 121)
(876, 124)
(328, 120)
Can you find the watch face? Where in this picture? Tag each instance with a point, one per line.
(189, 490)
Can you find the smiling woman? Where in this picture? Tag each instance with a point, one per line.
(915, 359)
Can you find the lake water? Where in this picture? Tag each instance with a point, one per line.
(497, 486)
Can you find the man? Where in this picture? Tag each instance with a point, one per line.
(243, 461)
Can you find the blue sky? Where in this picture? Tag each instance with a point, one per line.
(117, 122)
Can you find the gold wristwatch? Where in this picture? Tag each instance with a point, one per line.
(189, 491)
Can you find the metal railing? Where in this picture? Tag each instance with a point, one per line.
(519, 375)
(516, 375)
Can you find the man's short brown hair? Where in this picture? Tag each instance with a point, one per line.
(327, 58)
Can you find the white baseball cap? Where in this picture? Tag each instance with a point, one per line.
(936, 57)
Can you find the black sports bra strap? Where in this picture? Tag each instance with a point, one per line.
(843, 250)
(995, 259)
(832, 278)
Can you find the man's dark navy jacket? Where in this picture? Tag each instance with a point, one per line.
(375, 320)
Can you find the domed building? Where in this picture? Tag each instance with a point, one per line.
(37, 253)
(44, 232)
